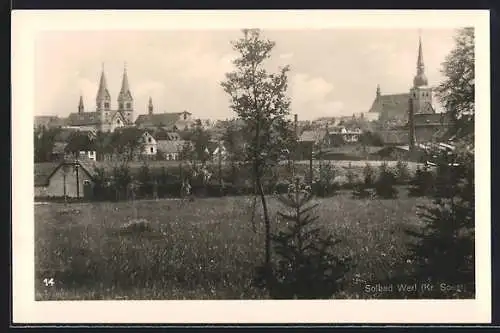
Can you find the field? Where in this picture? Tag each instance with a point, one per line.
(204, 249)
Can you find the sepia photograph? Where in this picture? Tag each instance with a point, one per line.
(257, 162)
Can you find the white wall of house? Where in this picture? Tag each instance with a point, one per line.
(150, 145)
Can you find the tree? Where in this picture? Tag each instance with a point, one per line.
(200, 139)
(259, 99)
(44, 140)
(456, 92)
(306, 266)
(444, 247)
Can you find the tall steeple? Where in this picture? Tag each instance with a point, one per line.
(150, 106)
(125, 96)
(80, 105)
(103, 99)
(378, 91)
(420, 79)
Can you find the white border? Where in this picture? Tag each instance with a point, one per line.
(26, 25)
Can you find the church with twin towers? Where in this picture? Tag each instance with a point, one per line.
(105, 117)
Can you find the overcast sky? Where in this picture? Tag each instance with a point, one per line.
(333, 72)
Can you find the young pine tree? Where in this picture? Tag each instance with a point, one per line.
(444, 247)
(422, 183)
(305, 265)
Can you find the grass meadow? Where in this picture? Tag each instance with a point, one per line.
(205, 249)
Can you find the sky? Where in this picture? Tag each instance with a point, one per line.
(334, 72)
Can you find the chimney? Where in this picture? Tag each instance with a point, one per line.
(296, 125)
(411, 124)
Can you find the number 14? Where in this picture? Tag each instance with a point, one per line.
(48, 282)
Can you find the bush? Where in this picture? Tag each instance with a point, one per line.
(422, 183)
(384, 186)
(305, 266)
(402, 172)
(325, 185)
(368, 175)
(351, 177)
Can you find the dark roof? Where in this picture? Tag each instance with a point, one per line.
(48, 121)
(82, 119)
(165, 135)
(393, 106)
(422, 119)
(44, 171)
(158, 119)
(395, 137)
(312, 136)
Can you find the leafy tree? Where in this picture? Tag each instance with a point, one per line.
(456, 92)
(200, 139)
(44, 140)
(384, 186)
(127, 143)
(260, 101)
(306, 266)
(369, 138)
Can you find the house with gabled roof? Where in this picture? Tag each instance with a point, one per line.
(69, 178)
(173, 122)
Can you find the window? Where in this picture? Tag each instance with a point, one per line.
(169, 157)
(149, 140)
(106, 105)
(129, 105)
(151, 149)
(120, 106)
(185, 115)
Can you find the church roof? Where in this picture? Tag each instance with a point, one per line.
(125, 89)
(158, 119)
(83, 119)
(103, 92)
(393, 104)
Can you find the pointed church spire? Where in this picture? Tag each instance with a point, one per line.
(125, 96)
(420, 79)
(103, 96)
(150, 106)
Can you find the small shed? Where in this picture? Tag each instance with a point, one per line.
(70, 179)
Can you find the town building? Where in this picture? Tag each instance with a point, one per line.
(71, 179)
(104, 118)
(177, 121)
(412, 112)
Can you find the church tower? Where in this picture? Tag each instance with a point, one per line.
(125, 100)
(150, 106)
(103, 100)
(80, 105)
(421, 93)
